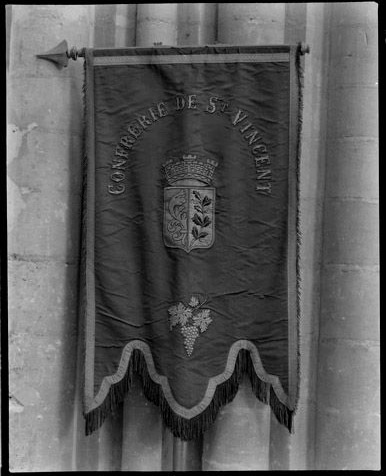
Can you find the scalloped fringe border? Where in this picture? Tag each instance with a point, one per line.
(188, 429)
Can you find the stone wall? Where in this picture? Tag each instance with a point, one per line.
(347, 423)
(337, 423)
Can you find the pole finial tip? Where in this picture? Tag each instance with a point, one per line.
(57, 55)
(304, 48)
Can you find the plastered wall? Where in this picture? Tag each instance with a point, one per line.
(337, 423)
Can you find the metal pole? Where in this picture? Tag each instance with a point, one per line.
(60, 54)
(187, 455)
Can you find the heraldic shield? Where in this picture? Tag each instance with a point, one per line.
(189, 207)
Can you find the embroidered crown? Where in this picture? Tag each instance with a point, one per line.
(189, 167)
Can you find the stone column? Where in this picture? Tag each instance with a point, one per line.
(251, 23)
(115, 25)
(157, 23)
(44, 184)
(196, 23)
(146, 443)
(308, 23)
(347, 425)
(125, 24)
(240, 438)
(105, 25)
(142, 433)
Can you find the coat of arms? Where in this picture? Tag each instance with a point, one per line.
(189, 203)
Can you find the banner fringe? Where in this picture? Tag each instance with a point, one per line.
(300, 85)
(188, 429)
(82, 296)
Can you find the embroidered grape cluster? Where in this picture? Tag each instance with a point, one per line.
(190, 334)
(191, 319)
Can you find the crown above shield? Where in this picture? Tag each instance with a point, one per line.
(190, 166)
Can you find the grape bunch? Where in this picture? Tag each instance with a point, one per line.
(190, 334)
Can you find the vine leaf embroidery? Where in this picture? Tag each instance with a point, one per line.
(202, 320)
(192, 321)
(194, 301)
(179, 314)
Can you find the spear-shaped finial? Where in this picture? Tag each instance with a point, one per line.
(57, 55)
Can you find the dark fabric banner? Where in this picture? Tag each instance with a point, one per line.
(190, 243)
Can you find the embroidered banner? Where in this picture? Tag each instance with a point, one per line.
(190, 243)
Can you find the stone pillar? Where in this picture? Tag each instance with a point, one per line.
(196, 23)
(240, 438)
(251, 23)
(115, 25)
(105, 25)
(125, 24)
(295, 23)
(157, 23)
(347, 425)
(44, 184)
(308, 23)
(187, 455)
(147, 445)
(142, 433)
